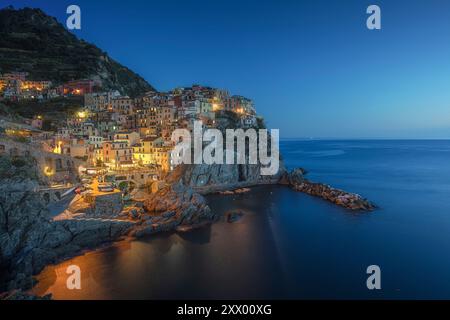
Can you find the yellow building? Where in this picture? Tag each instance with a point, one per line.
(97, 156)
(153, 151)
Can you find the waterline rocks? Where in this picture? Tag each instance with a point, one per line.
(237, 191)
(342, 198)
(295, 177)
(172, 206)
(352, 201)
(134, 212)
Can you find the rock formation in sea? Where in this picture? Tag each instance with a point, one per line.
(297, 181)
(172, 206)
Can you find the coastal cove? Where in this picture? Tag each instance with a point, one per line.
(292, 245)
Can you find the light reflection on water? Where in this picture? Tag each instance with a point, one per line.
(290, 245)
(224, 256)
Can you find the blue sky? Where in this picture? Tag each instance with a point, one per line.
(312, 67)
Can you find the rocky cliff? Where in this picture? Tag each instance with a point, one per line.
(30, 239)
(219, 177)
(172, 206)
(205, 178)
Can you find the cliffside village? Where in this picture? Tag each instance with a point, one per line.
(129, 139)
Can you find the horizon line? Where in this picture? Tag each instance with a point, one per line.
(374, 139)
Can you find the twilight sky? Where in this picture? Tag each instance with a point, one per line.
(312, 67)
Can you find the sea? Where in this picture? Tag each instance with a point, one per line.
(290, 245)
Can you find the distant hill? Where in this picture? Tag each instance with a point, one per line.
(36, 43)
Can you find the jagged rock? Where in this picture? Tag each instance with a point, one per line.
(296, 176)
(342, 198)
(175, 205)
(207, 179)
(30, 239)
(134, 212)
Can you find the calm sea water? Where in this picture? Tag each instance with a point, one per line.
(291, 245)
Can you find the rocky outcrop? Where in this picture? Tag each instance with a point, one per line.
(296, 180)
(30, 239)
(213, 178)
(172, 206)
(296, 176)
(135, 212)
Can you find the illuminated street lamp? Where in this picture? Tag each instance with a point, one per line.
(48, 172)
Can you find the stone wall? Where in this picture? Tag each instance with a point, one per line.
(104, 204)
(52, 195)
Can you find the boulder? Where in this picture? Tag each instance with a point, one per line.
(174, 205)
(133, 212)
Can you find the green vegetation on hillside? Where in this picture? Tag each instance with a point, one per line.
(54, 111)
(34, 42)
(54, 108)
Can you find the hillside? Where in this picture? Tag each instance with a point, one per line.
(55, 111)
(36, 43)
